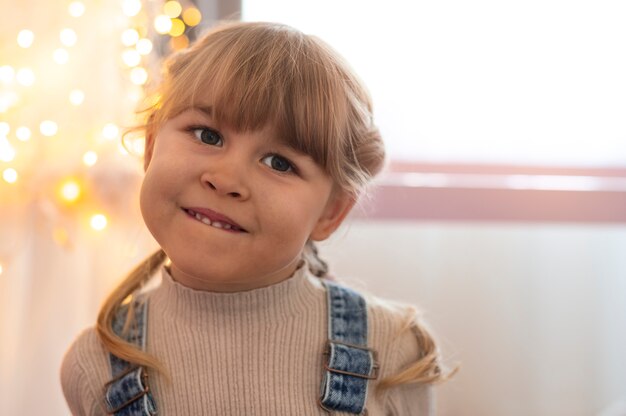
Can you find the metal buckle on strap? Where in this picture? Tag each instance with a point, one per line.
(375, 366)
(144, 379)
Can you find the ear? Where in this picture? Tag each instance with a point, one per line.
(336, 210)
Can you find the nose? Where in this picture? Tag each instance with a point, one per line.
(226, 179)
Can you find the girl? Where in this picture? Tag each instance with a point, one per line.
(261, 143)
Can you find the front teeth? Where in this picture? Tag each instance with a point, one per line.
(215, 224)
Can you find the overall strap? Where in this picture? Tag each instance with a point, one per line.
(349, 364)
(128, 393)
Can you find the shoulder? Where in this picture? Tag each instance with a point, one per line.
(84, 372)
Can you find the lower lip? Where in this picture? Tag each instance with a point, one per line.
(193, 217)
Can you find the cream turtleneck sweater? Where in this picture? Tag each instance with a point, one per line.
(257, 352)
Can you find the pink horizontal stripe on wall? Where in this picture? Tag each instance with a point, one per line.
(497, 193)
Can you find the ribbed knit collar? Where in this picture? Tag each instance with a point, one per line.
(296, 295)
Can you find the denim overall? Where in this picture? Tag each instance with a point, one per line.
(348, 364)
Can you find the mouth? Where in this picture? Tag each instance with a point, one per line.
(214, 219)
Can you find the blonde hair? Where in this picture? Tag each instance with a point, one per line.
(251, 75)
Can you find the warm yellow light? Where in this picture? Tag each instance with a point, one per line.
(192, 16)
(60, 236)
(25, 38)
(131, 57)
(77, 97)
(110, 131)
(76, 9)
(4, 128)
(178, 28)
(138, 76)
(7, 153)
(130, 37)
(48, 128)
(162, 24)
(98, 222)
(61, 56)
(70, 190)
(68, 37)
(7, 73)
(1, 268)
(180, 42)
(144, 46)
(131, 7)
(23, 133)
(172, 8)
(25, 77)
(90, 158)
(7, 100)
(10, 175)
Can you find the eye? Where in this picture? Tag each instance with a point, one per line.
(279, 163)
(207, 135)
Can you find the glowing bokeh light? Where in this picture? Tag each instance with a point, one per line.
(131, 7)
(162, 24)
(180, 42)
(110, 131)
(138, 146)
(172, 8)
(25, 77)
(5, 128)
(131, 57)
(61, 56)
(178, 28)
(144, 46)
(98, 222)
(25, 38)
(7, 73)
(23, 133)
(77, 97)
(192, 16)
(130, 37)
(76, 9)
(10, 175)
(90, 158)
(48, 128)
(7, 153)
(138, 76)
(70, 190)
(68, 37)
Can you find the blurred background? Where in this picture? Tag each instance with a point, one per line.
(502, 212)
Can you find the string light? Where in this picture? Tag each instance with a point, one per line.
(69, 191)
(144, 46)
(76, 9)
(77, 97)
(130, 37)
(162, 24)
(25, 77)
(131, 7)
(98, 222)
(68, 37)
(178, 28)
(131, 57)
(61, 56)
(7, 153)
(25, 38)
(10, 175)
(7, 73)
(90, 158)
(48, 128)
(192, 16)
(110, 131)
(138, 76)
(172, 8)
(23, 133)
(180, 42)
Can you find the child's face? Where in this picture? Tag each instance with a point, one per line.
(246, 176)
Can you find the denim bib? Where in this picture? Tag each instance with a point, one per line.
(348, 363)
